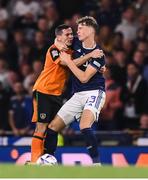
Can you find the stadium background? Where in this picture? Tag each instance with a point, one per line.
(27, 30)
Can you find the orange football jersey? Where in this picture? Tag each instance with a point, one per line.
(53, 77)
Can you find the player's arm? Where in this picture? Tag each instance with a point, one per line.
(94, 54)
(55, 55)
(81, 60)
(83, 76)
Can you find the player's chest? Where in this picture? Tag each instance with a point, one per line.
(82, 53)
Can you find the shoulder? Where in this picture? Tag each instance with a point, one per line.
(98, 47)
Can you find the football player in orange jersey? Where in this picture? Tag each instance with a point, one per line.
(49, 87)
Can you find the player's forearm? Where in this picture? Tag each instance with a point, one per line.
(77, 72)
(82, 60)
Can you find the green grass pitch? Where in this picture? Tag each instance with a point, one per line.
(30, 171)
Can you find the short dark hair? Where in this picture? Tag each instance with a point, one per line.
(134, 64)
(88, 21)
(58, 30)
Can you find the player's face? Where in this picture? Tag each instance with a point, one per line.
(84, 32)
(67, 37)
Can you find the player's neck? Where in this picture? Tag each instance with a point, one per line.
(89, 43)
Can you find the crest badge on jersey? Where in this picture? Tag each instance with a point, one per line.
(42, 115)
(54, 54)
(79, 50)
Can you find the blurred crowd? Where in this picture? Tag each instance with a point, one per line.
(26, 32)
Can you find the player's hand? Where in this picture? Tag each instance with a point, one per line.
(97, 53)
(103, 69)
(60, 46)
(65, 58)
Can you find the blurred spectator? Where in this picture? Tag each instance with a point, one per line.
(3, 50)
(141, 34)
(138, 4)
(134, 97)
(142, 22)
(138, 58)
(28, 9)
(73, 20)
(119, 67)
(37, 67)
(145, 73)
(3, 73)
(75, 6)
(52, 17)
(3, 23)
(112, 103)
(29, 82)
(144, 122)
(4, 101)
(142, 6)
(108, 14)
(25, 70)
(26, 54)
(4, 3)
(30, 79)
(123, 4)
(25, 14)
(40, 46)
(109, 59)
(15, 49)
(129, 47)
(12, 78)
(20, 111)
(143, 47)
(105, 38)
(42, 26)
(128, 27)
(117, 40)
(51, 13)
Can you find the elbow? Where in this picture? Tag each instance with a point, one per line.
(84, 80)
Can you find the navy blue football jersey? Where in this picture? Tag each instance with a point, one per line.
(97, 81)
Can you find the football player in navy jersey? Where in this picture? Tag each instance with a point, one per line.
(88, 91)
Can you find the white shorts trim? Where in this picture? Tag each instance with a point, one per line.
(95, 105)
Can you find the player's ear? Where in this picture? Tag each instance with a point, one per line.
(58, 38)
